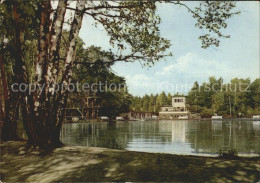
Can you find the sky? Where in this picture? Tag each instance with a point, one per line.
(237, 56)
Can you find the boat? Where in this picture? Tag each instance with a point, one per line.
(183, 117)
(256, 117)
(154, 117)
(216, 117)
(119, 118)
(104, 118)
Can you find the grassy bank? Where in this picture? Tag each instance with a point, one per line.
(83, 164)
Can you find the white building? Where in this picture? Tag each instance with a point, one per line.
(176, 110)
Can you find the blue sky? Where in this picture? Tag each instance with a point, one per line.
(237, 56)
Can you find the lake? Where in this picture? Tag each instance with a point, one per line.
(205, 137)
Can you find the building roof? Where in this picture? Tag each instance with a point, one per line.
(166, 106)
(179, 97)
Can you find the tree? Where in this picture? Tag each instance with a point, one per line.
(146, 101)
(169, 99)
(43, 112)
(192, 98)
(151, 103)
(133, 28)
(252, 94)
(207, 113)
(163, 99)
(91, 70)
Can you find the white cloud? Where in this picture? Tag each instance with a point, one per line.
(181, 65)
(139, 80)
(141, 84)
(180, 76)
(191, 66)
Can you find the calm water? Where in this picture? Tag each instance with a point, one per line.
(175, 137)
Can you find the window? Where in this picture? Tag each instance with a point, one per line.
(178, 100)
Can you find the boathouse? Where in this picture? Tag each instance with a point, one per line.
(176, 110)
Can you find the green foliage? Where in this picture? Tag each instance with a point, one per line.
(212, 16)
(92, 69)
(206, 113)
(151, 103)
(29, 27)
(134, 29)
(114, 103)
(240, 97)
(253, 94)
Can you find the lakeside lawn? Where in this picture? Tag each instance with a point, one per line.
(85, 164)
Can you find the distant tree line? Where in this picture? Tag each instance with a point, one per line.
(151, 103)
(238, 98)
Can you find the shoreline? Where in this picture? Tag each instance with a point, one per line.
(84, 164)
(113, 121)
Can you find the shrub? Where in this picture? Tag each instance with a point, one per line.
(207, 113)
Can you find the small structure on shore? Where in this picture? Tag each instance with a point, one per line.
(183, 117)
(154, 117)
(136, 115)
(104, 118)
(216, 117)
(256, 117)
(82, 107)
(119, 118)
(177, 110)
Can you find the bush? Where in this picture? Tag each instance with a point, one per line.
(207, 113)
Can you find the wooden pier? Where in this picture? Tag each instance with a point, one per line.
(83, 107)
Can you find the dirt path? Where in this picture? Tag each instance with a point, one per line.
(82, 164)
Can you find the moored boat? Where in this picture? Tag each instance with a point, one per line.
(104, 118)
(183, 117)
(256, 117)
(154, 117)
(216, 117)
(119, 118)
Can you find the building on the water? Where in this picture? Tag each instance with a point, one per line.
(177, 110)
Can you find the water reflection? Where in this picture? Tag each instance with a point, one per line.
(176, 137)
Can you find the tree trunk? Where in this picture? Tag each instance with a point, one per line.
(49, 110)
(9, 110)
(43, 113)
(20, 74)
(61, 102)
(4, 94)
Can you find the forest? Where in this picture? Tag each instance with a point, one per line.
(238, 98)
